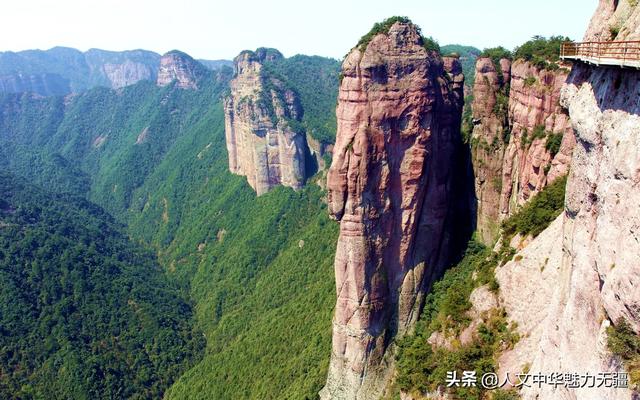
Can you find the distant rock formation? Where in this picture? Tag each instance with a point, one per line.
(516, 113)
(391, 187)
(180, 67)
(61, 70)
(117, 69)
(261, 115)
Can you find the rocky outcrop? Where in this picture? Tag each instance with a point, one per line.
(117, 69)
(127, 73)
(61, 71)
(181, 68)
(615, 20)
(391, 187)
(589, 277)
(490, 136)
(260, 116)
(318, 150)
(535, 117)
(517, 117)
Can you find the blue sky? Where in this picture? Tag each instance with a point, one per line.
(215, 29)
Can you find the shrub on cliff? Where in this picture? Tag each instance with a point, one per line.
(383, 27)
(625, 343)
(554, 140)
(542, 52)
(423, 368)
(430, 44)
(538, 213)
(380, 27)
(496, 54)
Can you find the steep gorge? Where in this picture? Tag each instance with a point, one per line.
(392, 185)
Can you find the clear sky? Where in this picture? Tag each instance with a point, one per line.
(214, 29)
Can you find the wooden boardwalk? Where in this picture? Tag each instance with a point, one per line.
(621, 54)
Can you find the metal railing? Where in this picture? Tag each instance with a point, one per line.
(609, 53)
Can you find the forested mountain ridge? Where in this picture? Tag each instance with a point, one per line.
(258, 270)
(63, 70)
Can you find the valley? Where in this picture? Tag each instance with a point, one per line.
(274, 227)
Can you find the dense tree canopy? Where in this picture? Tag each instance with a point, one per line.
(84, 313)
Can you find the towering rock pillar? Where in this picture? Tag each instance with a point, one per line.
(260, 113)
(490, 137)
(390, 186)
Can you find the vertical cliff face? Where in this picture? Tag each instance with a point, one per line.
(119, 69)
(614, 20)
(536, 119)
(592, 276)
(390, 186)
(127, 73)
(522, 138)
(180, 67)
(490, 135)
(260, 116)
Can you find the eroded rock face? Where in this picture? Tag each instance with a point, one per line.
(489, 134)
(127, 73)
(390, 186)
(180, 67)
(259, 114)
(516, 111)
(592, 276)
(534, 106)
(615, 20)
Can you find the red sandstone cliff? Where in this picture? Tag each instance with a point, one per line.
(534, 115)
(390, 186)
(490, 133)
(261, 143)
(512, 153)
(590, 283)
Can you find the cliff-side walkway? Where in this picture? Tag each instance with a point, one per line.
(622, 54)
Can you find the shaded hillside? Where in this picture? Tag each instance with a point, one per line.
(84, 314)
(258, 269)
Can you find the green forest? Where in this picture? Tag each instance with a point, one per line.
(258, 272)
(84, 312)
